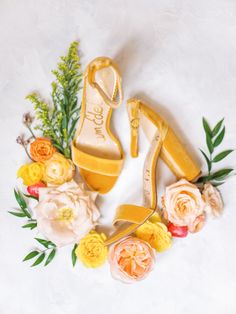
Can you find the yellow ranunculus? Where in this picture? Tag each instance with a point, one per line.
(31, 173)
(58, 169)
(156, 234)
(155, 218)
(91, 249)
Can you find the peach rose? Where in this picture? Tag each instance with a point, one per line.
(67, 213)
(183, 203)
(58, 169)
(131, 259)
(41, 149)
(213, 199)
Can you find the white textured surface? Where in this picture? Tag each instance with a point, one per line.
(179, 54)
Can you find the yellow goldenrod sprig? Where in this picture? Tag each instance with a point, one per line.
(59, 122)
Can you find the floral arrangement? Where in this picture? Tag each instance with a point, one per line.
(65, 213)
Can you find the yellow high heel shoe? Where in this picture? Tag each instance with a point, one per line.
(95, 149)
(164, 143)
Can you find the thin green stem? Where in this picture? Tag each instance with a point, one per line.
(209, 170)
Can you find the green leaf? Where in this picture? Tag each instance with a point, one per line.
(215, 184)
(222, 155)
(17, 214)
(30, 255)
(31, 225)
(45, 243)
(206, 127)
(209, 165)
(209, 143)
(219, 138)
(39, 259)
(203, 179)
(64, 123)
(20, 200)
(73, 124)
(60, 148)
(218, 175)
(31, 196)
(50, 257)
(217, 128)
(73, 255)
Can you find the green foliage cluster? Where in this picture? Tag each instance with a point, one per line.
(214, 138)
(59, 121)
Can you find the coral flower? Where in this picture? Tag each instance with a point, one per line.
(131, 259)
(41, 149)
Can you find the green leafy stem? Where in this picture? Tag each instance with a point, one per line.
(59, 121)
(23, 211)
(46, 255)
(214, 138)
(49, 251)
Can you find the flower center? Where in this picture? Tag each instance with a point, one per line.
(66, 214)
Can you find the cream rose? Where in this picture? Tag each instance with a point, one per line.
(213, 200)
(67, 213)
(58, 169)
(183, 204)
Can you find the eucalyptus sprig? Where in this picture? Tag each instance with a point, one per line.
(23, 211)
(59, 121)
(214, 138)
(47, 254)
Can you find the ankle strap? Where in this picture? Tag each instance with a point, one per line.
(101, 63)
(134, 215)
(133, 108)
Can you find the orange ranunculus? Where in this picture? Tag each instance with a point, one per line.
(41, 149)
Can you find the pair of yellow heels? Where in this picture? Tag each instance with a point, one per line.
(98, 153)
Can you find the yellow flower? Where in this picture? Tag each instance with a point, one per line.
(58, 169)
(156, 234)
(91, 249)
(155, 218)
(31, 173)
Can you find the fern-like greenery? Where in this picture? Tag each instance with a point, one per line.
(58, 121)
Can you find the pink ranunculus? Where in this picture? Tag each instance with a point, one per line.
(131, 259)
(183, 203)
(66, 213)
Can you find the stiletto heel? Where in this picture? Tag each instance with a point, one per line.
(164, 143)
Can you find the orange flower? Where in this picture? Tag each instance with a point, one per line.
(41, 149)
(131, 259)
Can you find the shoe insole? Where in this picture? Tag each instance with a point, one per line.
(94, 135)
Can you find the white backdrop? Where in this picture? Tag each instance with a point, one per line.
(178, 55)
